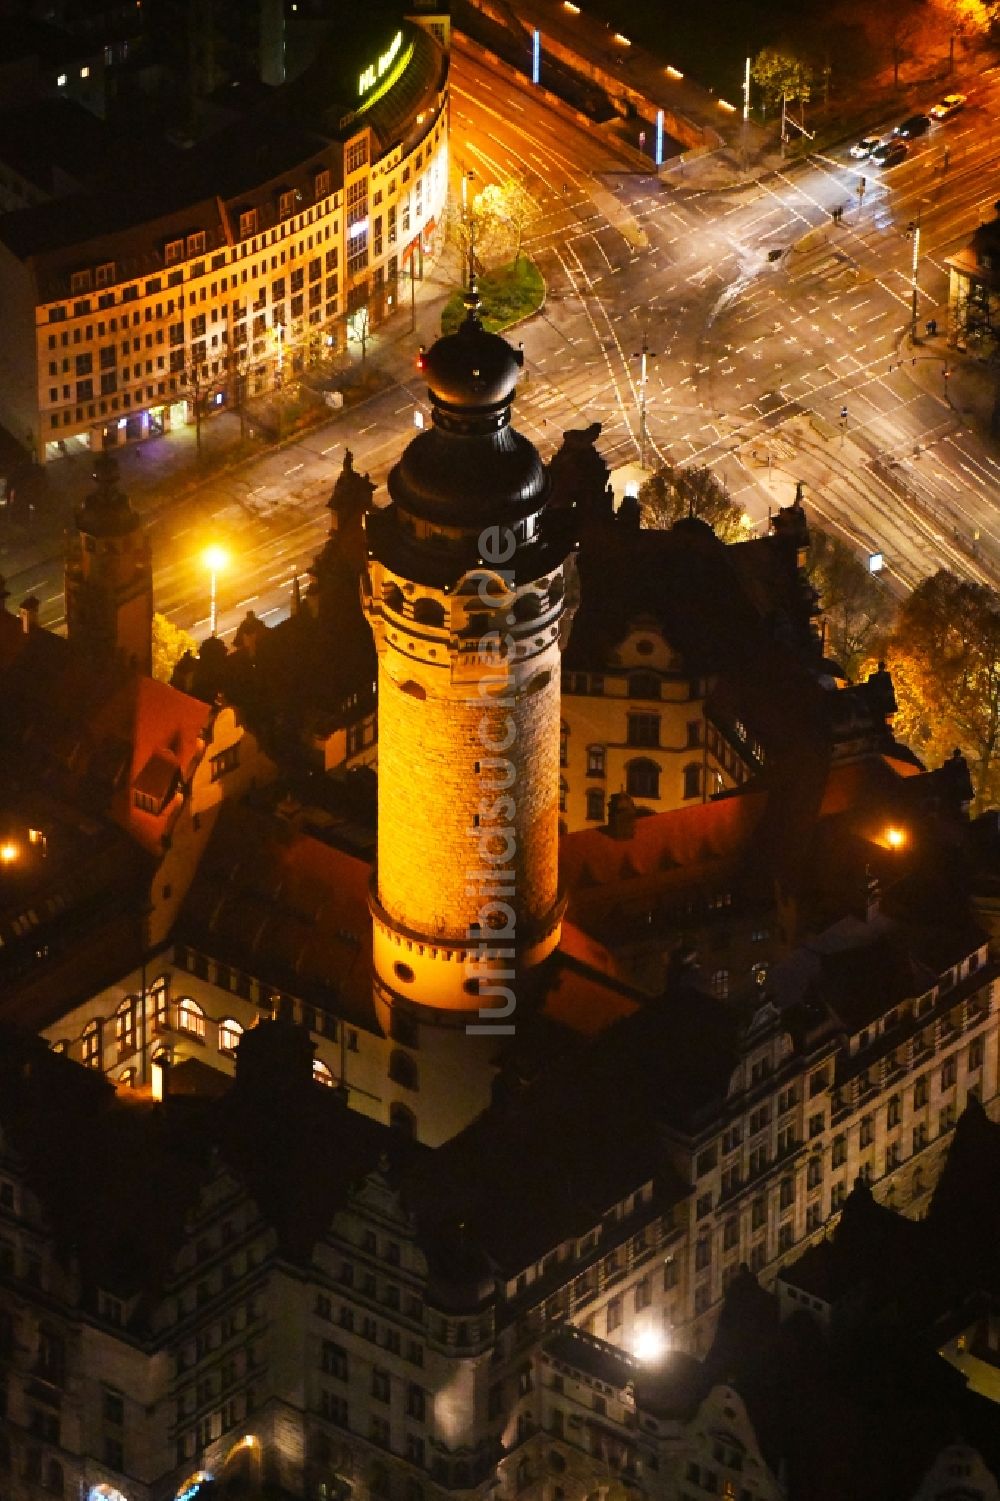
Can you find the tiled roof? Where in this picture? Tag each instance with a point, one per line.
(280, 904)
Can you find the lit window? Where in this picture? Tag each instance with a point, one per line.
(91, 1045)
(230, 1033)
(321, 1074)
(61, 80)
(190, 1017)
(84, 72)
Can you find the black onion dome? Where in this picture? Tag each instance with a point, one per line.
(470, 467)
(471, 368)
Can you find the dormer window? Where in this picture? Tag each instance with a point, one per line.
(173, 251)
(196, 243)
(80, 281)
(104, 275)
(248, 223)
(286, 204)
(322, 184)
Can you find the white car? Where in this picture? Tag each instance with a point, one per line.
(864, 148)
(949, 105)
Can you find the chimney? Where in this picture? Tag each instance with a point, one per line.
(29, 614)
(621, 816)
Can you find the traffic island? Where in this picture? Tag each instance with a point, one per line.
(507, 295)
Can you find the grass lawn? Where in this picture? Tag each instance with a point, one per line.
(508, 294)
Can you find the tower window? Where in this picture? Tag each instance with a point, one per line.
(403, 972)
(428, 612)
(403, 1070)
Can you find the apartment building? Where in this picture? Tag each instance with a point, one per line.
(238, 262)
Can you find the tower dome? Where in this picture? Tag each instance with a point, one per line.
(470, 467)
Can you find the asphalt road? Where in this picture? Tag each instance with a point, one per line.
(751, 358)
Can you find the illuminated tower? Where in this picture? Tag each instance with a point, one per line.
(468, 592)
(109, 577)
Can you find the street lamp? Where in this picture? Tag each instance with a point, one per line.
(644, 355)
(8, 852)
(913, 233)
(215, 559)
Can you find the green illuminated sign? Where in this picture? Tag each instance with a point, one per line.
(378, 69)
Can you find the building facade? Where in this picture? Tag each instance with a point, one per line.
(120, 325)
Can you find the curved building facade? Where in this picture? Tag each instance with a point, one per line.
(238, 260)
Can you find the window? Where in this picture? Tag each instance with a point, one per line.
(227, 760)
(975, 1054)
(321, 1074)
(643, 685)
(837, 1196)
(90, 1049)
(817, 1124)
(416, 1402)
(614, 1314)
(786, 1193)
(381, 1386)
(702, 1254)
(564, 744)
(692, 780)
(839, 1154)
(949, 1072)
(786, 1235)
(893, 1111)
(731, 1233)
(190, 1017)
(403, 1070)
(643, 729)
(230, 1033)
(321, 185)
(704, 1206)
(196, 244)
(814, 1172)
(356, 155)
(596, 760)
(920, 1137)
(173, 251)
(333, 1360)
(642, 779)
(867, 1131)
(920, 1093)
(125, 1027)
(595, 805)
(113, 1407)
(720, 983)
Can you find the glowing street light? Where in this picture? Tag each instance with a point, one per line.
(215, 559)
(895, 838)
(8, 852)
(650, 1346)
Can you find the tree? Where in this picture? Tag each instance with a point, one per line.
(781, 75)
(944, 655)
(961, 18)
(896, 24)
(672, 493)
(511, 208)
(856, 605)
(169, 645)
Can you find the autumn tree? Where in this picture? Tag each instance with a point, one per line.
(170, 643)
(856, 606)
(672, 493)
(511, 208)
(944, 655)
(780, 74)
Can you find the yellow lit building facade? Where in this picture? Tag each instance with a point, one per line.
(117, 333)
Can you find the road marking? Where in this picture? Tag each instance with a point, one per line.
(367, 429)
(331, 448)
(295, 469)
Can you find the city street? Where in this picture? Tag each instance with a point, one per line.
(764, 320)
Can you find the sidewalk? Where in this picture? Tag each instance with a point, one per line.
(965, 384)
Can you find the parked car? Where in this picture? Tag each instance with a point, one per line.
(890, 154)
(949, 105)
(914, 126)
(864, 148)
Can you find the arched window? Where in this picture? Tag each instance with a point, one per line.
(402, 1119)
(563, 794)
(125, 1027)
(230, 1033)
(643, 685)
(415, 690)
(564, 744)
(642, 779)
(90, 1045)
(158, 993)
(692, 779)
(392, 598)
(720, 983)
(190, 1018)
(527, 607)
(428, 612)
(126, 1079)
(403, 1070)
(321, 1074)
(595, 804)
